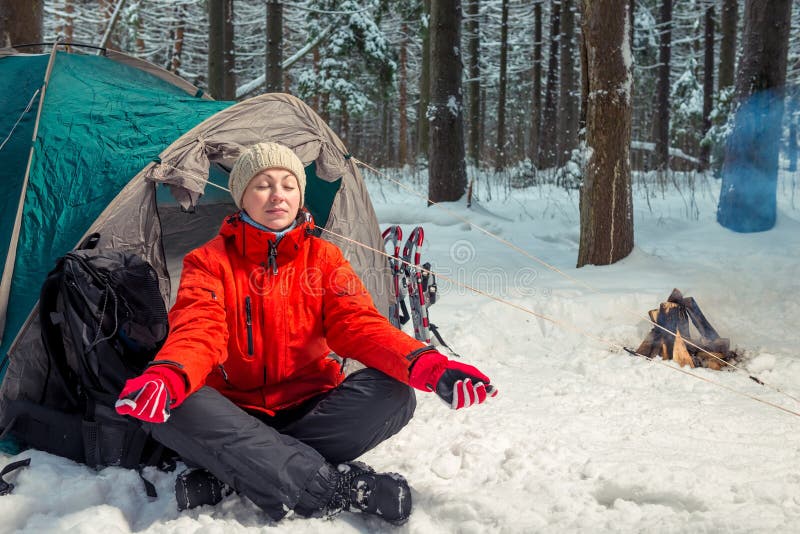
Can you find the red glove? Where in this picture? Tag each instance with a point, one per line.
(150, 395)
(458, 384)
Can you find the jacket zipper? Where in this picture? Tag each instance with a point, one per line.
(273, 256)
(249, 323)
(224, 374)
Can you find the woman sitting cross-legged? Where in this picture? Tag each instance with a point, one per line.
(243, 389)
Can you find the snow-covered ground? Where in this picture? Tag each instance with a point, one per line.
(583, 437)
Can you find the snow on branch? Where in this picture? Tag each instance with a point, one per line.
(252, 85)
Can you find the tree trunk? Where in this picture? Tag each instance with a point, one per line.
(606, 204)
(21, 23)
(500, 160)
(585, 79)
(631, 21)
(323, 107)
(791, 149)
(286, 83)
(750, 172)
(423, 124)
(344, 129)
(216, 48)
(229, 56)
(386, 114)
(177, 43)
(402, 142)
(274, 46)
(536, 98)
(448, 175)
(106, 11)
(727, 46)
(66, 28)
(391, 155)
(315, 101)
(139, 42)
(661, 119)
(547, 142)
(474, 83)
(482, 141)
(568, 104)
(708, 83)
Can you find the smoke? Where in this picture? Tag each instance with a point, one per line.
(747, 201)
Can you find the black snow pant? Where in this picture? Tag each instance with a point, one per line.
(288, 461)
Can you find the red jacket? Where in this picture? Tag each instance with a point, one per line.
(257, 322)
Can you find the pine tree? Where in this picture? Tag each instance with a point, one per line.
(749, 176)
(474, 83)
(548, 139)
(448, 175)
(221, 58)
(536, 93)
(727, 47)
(708, 82)
(21, 22)
(567, 134)
(606, 204)
(500, 161)
(274, 54)
(661, 118)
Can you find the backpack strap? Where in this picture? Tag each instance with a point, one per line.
(7, 487)
(52, 335)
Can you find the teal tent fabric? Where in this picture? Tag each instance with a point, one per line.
(20, 79)
(320, 195)
(101, 123)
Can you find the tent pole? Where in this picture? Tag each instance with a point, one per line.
(111, 23)
(11, 258)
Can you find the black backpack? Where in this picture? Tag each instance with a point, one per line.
(102, 320)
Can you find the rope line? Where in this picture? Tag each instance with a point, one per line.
(563, 324)
(574, 280)
(566, 325)
(27, 109)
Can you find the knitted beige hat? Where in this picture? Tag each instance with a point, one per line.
(264, 156)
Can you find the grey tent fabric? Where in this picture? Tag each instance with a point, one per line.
(285, 119)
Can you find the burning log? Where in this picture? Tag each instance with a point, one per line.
(673, 338)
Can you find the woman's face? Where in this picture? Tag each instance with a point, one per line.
(272, 198)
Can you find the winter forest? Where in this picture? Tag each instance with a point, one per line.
(515, 91)
(571, 161)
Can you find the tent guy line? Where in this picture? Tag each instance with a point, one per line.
(27, 109)
(563, 324)
(573, 279)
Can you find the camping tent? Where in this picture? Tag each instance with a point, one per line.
(100, 122)
(110, 131)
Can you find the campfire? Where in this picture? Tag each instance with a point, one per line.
(679, 314)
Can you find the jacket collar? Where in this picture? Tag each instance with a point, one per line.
(259, 246)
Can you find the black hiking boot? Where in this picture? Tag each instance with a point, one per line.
(360, 489)
(196, 487)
